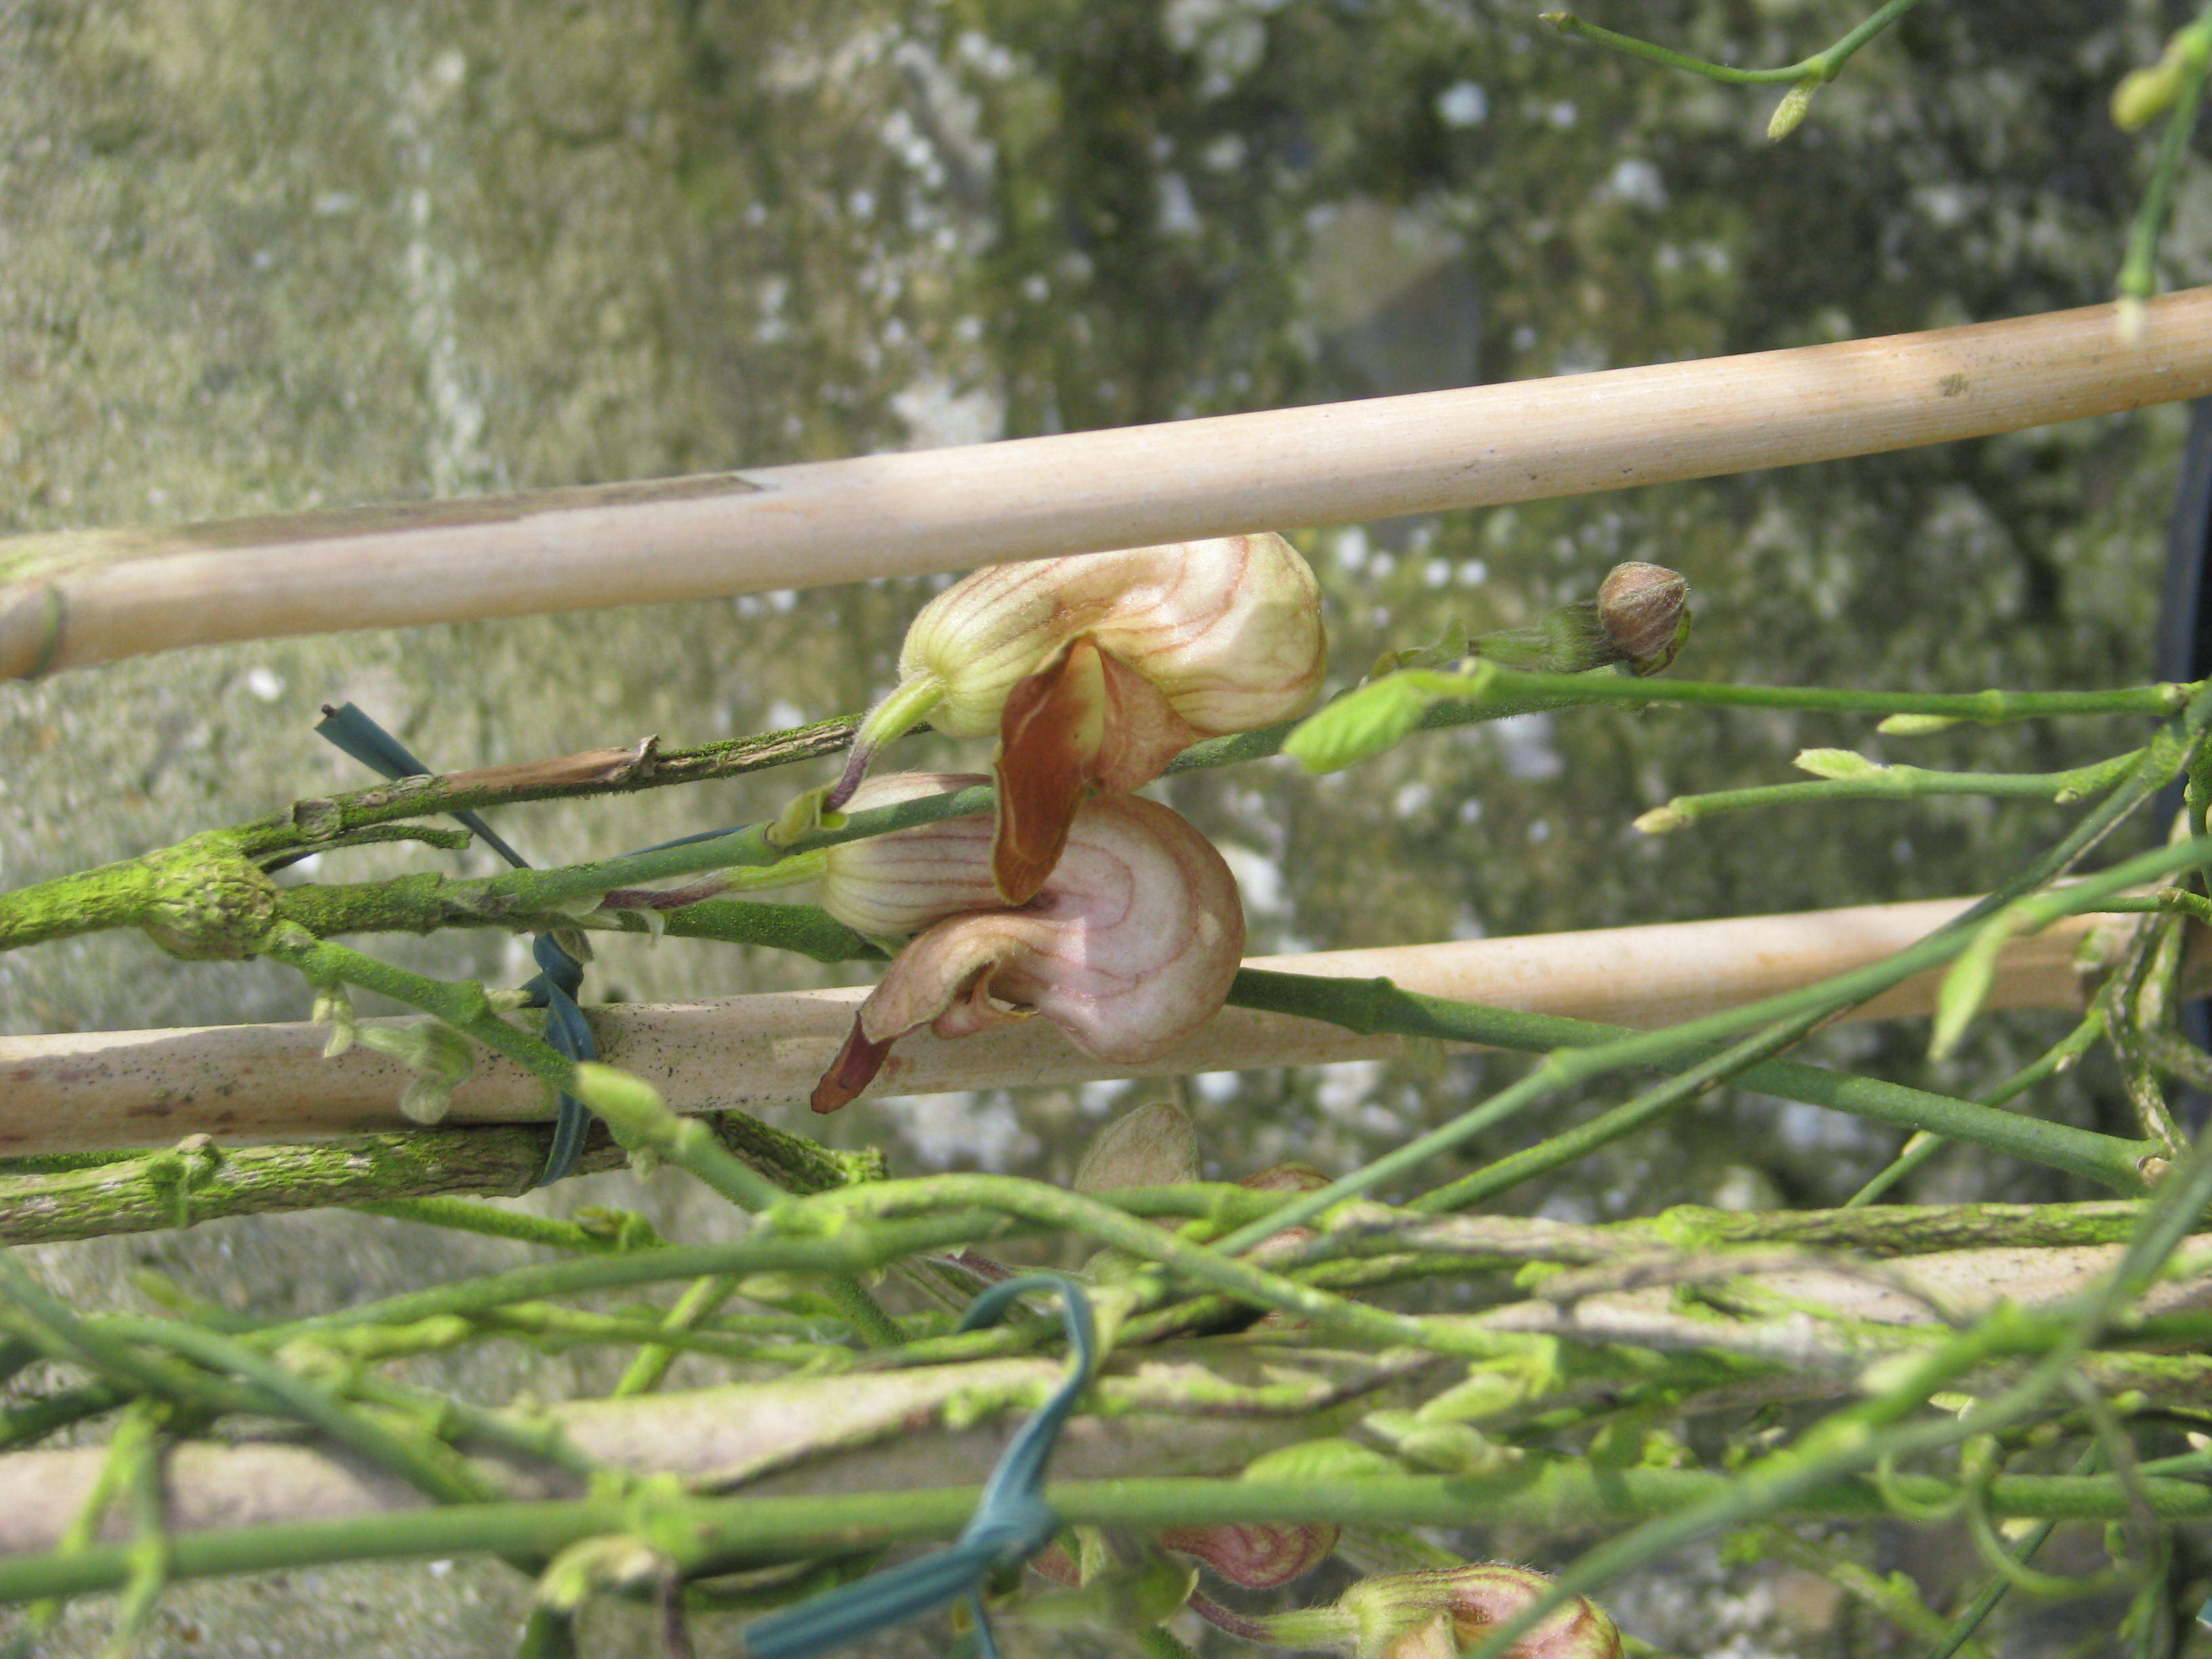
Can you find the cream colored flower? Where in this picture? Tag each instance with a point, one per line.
(1098, 670)
(1128, 948)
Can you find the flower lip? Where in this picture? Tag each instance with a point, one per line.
(1131, 950)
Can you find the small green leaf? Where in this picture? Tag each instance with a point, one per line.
(1966, 987)
(1835, 763)
(1369, 719)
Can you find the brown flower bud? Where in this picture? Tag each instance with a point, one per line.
(1259, 1556)
(1291, 1177)
(1646, 611)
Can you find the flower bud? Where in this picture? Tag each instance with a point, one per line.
(1789, 114)
(1128, 949)
(1291, 1177)
(1259, 1555)
(1229, 631)
(1916, 725)
(1436, 1613)
(1098, 670)
(1646, 611)
(2144, 95)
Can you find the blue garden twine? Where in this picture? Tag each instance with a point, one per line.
(1011, 1523)
(561, 976)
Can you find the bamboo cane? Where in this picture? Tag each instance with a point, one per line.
(247, 1083)
(79, 598)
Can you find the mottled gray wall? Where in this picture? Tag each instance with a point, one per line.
(261, 256)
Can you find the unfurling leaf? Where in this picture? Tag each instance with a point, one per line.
(1365, 722)
(1835, 763)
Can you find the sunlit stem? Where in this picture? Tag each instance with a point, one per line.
(1822, 65)
(2138, 272)
(906, 708)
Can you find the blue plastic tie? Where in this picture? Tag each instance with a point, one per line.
(561, 975)
(1012, 1523)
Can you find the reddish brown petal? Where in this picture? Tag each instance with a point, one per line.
(951, 963)
(1085, 717)
(1259, 1555)
(1049, 741)
(853, 1070)
(1143, 731)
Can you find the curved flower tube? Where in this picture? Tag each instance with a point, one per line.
(1128, 948)
(1098, 670)
(888, 886)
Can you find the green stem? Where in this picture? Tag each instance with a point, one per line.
(1894, 783)
(93, 1195)
(698, 1302)
(1053, 1207)
(124, 895)
(434, 1469)
(1822, 65)
(312, 824)
(1870, 1434)
(1924, 1144)
(1542, 1491)
(637, 1113)
(856, 1250)
(2138, 278)
(1487, 681)
(1584, 1048)
(137, 1442)
(2164, 757)
(1158, 1642)
(471, 1215)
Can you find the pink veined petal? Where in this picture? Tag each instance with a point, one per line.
(1084, 718)
(1129, 949)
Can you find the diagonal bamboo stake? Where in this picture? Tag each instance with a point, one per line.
(74, 599)
(245, 1083)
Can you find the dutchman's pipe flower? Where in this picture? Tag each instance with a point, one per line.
(1129, 947)
(889, 886)
(1097, 671)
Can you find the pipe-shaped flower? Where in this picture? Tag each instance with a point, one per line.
(888, 886)
(1098, 670)
(1128, 948)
